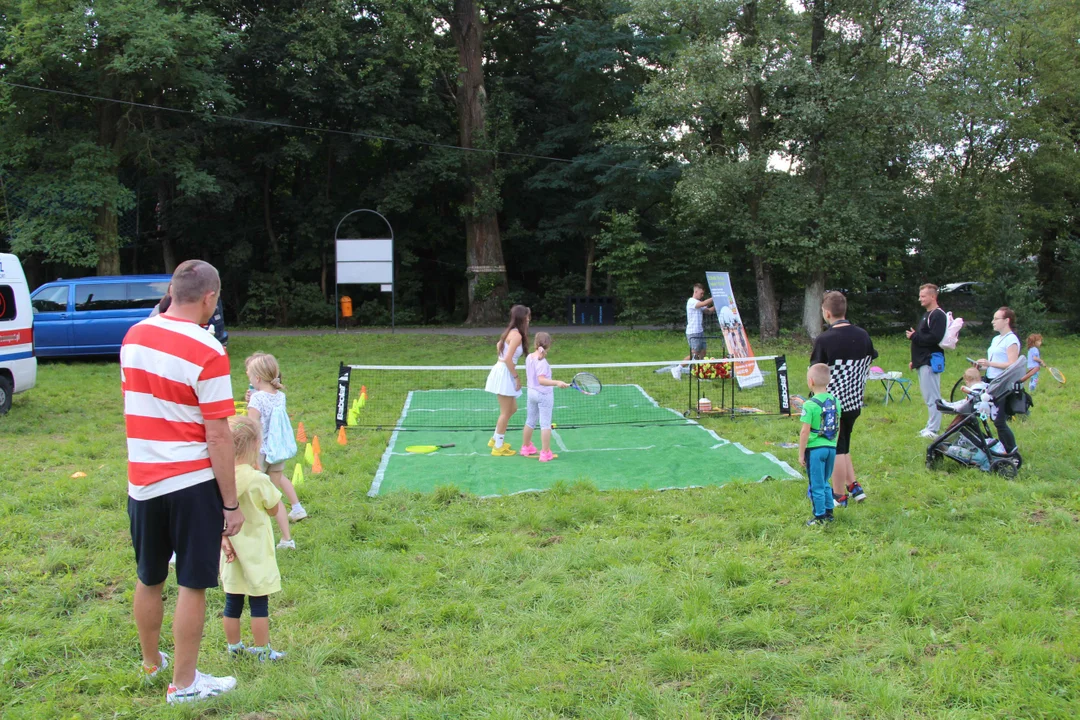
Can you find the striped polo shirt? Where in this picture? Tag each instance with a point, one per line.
(174, 375)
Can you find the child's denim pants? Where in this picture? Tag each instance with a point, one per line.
(819, 466)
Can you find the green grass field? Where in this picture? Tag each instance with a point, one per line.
(945, 595)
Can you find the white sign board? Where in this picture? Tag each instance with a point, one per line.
(366, 273)
(364, 262)
(365, 251)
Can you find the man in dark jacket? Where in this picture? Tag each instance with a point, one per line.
(925, 341)
(848, 351)
(215, 327)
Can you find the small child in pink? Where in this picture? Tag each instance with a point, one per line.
(541, 399)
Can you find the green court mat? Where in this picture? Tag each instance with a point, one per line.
(677, 454)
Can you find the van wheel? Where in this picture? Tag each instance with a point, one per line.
(6, 391)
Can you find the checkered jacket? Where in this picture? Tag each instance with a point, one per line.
(848, 351)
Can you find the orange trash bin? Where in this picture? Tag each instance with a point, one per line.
(346, 306)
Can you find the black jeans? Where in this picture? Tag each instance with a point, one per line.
(1005, 434)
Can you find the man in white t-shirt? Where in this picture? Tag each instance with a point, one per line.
(696, 307)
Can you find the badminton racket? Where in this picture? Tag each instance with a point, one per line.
(424, 449)
(1056, 374)
(587, 384)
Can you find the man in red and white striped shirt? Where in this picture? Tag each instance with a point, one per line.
(181, 487)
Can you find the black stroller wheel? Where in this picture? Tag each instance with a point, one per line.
(934, 460)
(1005, 468)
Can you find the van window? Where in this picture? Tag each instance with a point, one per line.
(52, 299)
(146, 295)
(105, 296)
(8, 310)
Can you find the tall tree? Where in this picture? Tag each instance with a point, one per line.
(69, 151)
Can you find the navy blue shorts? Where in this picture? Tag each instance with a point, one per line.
(188, 522)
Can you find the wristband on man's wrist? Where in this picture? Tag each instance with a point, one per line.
(230, 509)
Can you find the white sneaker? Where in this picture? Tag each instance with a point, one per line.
(297, 513)
(204, 687)
(286, 545)
(149, 673)
(927, 433)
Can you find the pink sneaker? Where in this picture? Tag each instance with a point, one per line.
(527, 450)
(547, 455)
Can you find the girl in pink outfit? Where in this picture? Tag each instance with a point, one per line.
(541, 399)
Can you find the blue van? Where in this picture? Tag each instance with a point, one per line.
(90, 316)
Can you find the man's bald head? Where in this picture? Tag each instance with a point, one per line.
(192, 281)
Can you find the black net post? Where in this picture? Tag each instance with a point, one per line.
(782, 385)
(341, 412)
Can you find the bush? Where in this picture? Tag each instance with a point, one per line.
(275, 301)
(307, 306)
(551, 305)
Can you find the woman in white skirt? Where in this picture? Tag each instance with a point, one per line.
(503, 380)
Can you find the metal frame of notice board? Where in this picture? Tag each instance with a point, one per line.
(364, 261)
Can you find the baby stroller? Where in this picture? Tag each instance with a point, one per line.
(970, 440)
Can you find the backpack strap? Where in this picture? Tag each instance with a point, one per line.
(822, 406)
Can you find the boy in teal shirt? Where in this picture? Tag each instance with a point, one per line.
(817, 442)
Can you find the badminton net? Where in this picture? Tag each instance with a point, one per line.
(411, 397)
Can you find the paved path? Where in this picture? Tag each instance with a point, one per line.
(446, 330)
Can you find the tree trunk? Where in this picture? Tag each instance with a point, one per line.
(815, 291)
(168, 252)
(815, 282)
(768, 310)
(486, 270)
(108, 241)
(590, 261)
(105, 222)
(267, 220)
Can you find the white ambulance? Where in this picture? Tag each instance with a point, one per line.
(18, 366)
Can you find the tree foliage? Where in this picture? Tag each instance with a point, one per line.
(613, 146)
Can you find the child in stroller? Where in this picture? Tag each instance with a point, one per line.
(970, 440)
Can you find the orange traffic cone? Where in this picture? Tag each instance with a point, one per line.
(341, 439)
(301, 436)
(315, 445)
(316, 467)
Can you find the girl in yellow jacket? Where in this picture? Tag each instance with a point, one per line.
(249, 566)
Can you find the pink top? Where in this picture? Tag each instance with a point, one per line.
(534, 368)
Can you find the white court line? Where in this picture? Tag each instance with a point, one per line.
(561, 449)
(720, 442)
(746, 451)
(791, 471)
(381, 472)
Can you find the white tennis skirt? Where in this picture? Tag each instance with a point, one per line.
(501, 381)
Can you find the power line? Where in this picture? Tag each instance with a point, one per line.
(309, 128)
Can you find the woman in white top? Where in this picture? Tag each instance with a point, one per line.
(503, 380)
(1004, 350)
